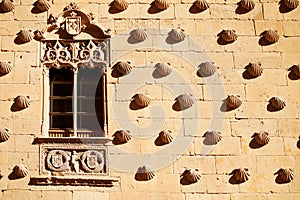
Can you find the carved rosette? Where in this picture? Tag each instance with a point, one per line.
(58, 161)
(92, 161)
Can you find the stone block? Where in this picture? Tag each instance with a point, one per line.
(205, 164)
(169, 13)
(170, 183)
(291, 28)
(288, 45)
(129, 195)
(292, 15)
(182, 11)
(226, 164)
(228, 11)
(220, 183)
(92, 195)
(208, 43)
(199, 187)
(255, 92)
(220, 92)
(8, 44)
(197, 196)
(24, 13)
(63, 195)
(290, 146)
(21, 194)
(259, 110)
(288, 127)
(290, 93)
(256, 13)
(271, 11)
(273, 148)
(227, 146)
(262, 25)
(159, 195)
(247, 127)
(244, 44)
(268, 60)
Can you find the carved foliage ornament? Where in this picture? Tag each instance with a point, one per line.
(73, 54)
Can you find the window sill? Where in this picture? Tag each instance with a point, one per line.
(77, 140)
(104, 181)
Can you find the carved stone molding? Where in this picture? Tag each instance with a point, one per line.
(86, 53)
(73, 160)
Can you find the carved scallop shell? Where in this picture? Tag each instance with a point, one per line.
(4, 135)
(43, 5)
(163, 68)
(139, 34)
(123, 67)
(177, 34)
(277, 103)
(292, 4)
(261, 138)
(185, 100)
(247, 4)
(141, 100)
(121, 137)
(144, 173)
(255, 69)
(233, 101)
(121, 4)
(26, 35)
(271, 36)
(202, 4)
(212, 137)
(7, 5)
(191, 175)
(229, 35)
(22, 101)
(20, 170)
(241, 175)
(165, 137)
(296, 70)
(161, 4)
(206, 69)
(5, 67)
(285, 175)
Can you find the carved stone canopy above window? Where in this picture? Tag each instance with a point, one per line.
(72, 22)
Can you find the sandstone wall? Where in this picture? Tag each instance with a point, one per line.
(200, 45)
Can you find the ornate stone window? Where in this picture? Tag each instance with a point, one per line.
(73, 147)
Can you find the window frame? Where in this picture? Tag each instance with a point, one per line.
(46, 130)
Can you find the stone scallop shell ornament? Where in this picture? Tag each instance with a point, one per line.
(22, 102)
(212, 137)
(284, 175)
(123, 67)
(139, 34)
(141, 100)
(121, 137)
(271, 36)
(240, 175)
(229, 35)
(296, 70)
(144, 173)
(277, 102)
(163, 68)
(206, 69)
(292, 4)
(26, 35)
(4, 135)
(20, 170)
(185, 100)
(177, 34)
(190, 176)
(121, 4)
(5, 67)
(7, 5)
(202, 4)
(164, 137)
(254, 69)
(43, 5)
(233, 101)
(161, 4)
(247, 4)
(262, 138)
